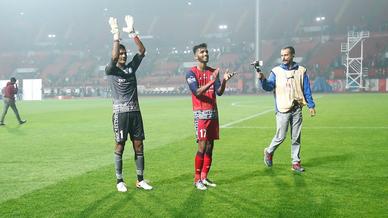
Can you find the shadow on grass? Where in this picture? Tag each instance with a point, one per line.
(190, 205)
(294, 198)
(324, 160)
(244, 205)
(105, 200)
(14, 129)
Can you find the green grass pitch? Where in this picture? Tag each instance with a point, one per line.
(60, 164)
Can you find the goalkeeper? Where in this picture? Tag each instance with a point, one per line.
(127, 119)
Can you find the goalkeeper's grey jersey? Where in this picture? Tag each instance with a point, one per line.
(124, 85)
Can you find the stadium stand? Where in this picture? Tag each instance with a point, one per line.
(76, 60)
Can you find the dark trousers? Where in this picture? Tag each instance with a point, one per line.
(10, 103)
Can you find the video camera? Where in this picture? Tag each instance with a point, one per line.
(257, 65)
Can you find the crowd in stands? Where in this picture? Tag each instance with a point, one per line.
(79, 73)
(76, 68)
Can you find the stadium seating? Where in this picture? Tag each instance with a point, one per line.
(76, 58)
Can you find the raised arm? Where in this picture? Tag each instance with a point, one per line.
(266, 84)
(115, 50)
(116, 38)
(132, 34)
(193, 83)
(221, 88)
(140, 46)
(204, 88)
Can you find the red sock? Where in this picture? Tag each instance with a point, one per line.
(207, 162)
(198, 166)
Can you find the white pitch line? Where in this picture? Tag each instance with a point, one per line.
(237, 104)
(313, 127)
(246, 118)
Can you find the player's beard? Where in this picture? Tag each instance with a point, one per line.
(204, 59)
(286, 62)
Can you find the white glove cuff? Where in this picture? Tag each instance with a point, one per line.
(116, 36)
(132, 35)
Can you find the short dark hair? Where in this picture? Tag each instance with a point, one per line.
(292, 49)
(13, 80)
(196, 47)
(122, 47)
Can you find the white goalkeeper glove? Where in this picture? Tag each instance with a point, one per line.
(129, 29)
(114, 28)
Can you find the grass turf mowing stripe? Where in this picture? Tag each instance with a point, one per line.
(345, 174)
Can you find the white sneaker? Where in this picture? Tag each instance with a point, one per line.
(200, 185)
(121, 187)
(144, 185)
(207, 182)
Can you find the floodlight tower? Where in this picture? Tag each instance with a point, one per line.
(320, 20)
(354, 66)
(257, 37)
(257, 27)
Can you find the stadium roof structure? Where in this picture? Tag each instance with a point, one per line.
(75, 23)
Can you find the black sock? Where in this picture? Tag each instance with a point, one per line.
(139, 160)
(118, 166)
